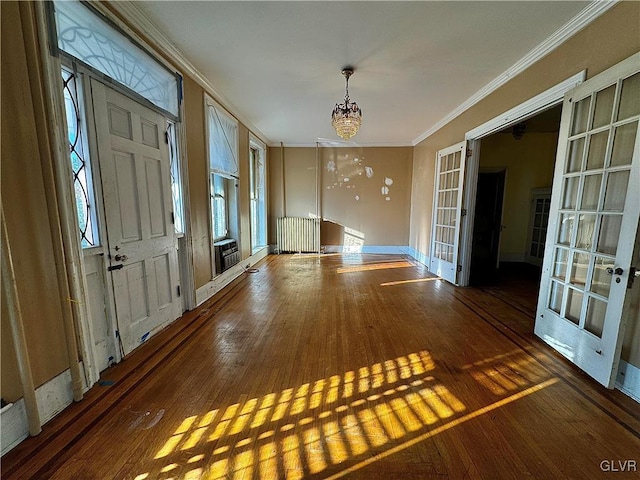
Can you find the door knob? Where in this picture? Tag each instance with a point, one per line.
(617, 271)
(120, 258)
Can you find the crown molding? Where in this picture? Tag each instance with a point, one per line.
(336, 144)
(573, 26)
(531, 107)
(132, 18)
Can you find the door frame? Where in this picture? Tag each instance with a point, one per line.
(543, 192)
(494, 171)
(52, 80)
(543, 101)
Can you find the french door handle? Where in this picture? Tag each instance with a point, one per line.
(617, 271)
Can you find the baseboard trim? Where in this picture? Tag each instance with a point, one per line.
(419, 256)
(212, 287)
(374, 249)
(628, 380)
(52, 397)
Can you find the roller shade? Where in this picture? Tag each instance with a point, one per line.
(223, 141)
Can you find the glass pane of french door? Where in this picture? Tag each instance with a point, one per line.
(595, 183)
(447, 209)
(593, 221)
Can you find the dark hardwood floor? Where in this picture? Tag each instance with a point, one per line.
(341, 366)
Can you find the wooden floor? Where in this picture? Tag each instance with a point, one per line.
(341, 367)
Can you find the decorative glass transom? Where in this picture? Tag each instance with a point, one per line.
(82, 180)
(87, 37)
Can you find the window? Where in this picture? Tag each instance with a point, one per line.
(257, 196)
(86, 36)
(222, 147)
(176, 179)
(219, 207)
(79, 157)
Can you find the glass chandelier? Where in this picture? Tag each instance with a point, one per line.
(346, 117)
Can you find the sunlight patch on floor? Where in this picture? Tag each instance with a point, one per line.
(339, 420)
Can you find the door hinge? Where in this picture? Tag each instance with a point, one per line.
(463, 212)
(173, 218)
(178, 290)
(459, 269)
(166, 137)
(469, 152)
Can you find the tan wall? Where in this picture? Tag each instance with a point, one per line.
(605, 42)
(198, 166)
(351, 182)
(529, 164)
(631, 343)
(25, 207)
(359, 203)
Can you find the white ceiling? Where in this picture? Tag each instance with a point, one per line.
(279, 63)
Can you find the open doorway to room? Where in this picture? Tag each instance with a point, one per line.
(512, 206)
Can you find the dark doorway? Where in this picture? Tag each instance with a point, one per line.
(485, 248)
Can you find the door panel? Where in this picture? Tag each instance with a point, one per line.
(135, 173)
(447, 209)
(593, 221)
(104, 350)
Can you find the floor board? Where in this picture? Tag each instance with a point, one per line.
(341, 366)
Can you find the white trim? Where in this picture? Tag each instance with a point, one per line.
(188, 290)
(137, 19)
(628, 380)
(212, 287)
(256, 142)
(469, 205)
(529, 108)
(52, 397)
(546, 99)
(573, 26)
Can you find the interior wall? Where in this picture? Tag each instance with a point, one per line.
(631, 344)
(351, 182)
(368, 191)
(198, 168)
(529, 164)
(25, 207)
(606, 41)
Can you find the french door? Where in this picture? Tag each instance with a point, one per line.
(447, 211)
(142, 248)
(593, 219)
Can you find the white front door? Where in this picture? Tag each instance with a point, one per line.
(447, 211)
(142, 249)
(595, 206)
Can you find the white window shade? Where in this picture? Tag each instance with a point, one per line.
(87, 37)
(223, 141)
